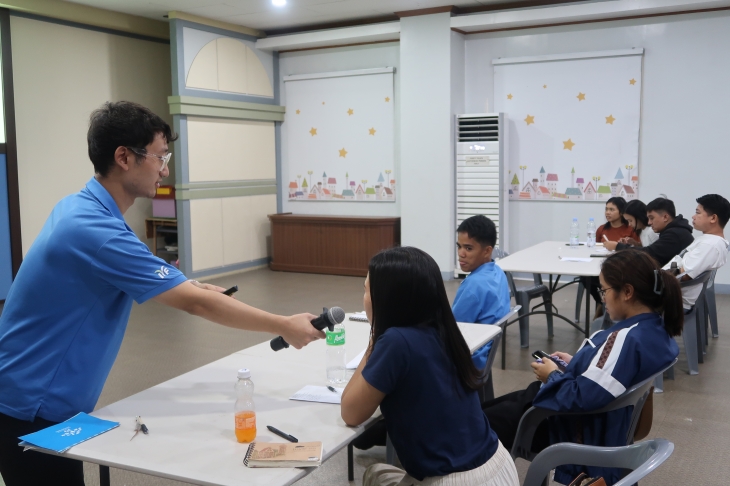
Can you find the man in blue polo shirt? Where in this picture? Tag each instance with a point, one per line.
(483, 296)
(67, 310)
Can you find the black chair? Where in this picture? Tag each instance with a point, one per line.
(635, 396)
(523, 296)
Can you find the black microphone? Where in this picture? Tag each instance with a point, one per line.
(328, 319)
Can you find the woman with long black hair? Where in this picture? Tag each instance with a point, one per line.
(418, 370)
(647, 303)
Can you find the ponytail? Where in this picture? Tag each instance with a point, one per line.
(671, 303)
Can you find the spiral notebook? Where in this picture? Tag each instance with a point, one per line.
(359, 317)
(277, 454)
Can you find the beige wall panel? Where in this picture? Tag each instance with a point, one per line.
(231, 65)
(228, 150)
(258, 81)
(206, 230)
(261, 207)
(236, 238)
(61, 74)
(203, 71)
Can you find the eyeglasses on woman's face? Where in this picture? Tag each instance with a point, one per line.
(164, 159)
(603, 291)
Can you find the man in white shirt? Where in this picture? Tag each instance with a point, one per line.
(709, 251)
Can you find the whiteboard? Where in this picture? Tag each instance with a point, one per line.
(340, 136)
(574, 125)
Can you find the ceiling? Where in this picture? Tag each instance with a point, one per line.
(262, 15)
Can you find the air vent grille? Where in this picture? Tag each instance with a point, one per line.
(478, 129)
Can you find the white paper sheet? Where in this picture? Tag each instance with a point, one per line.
(321, 394)
(576, 259)
(355, 361)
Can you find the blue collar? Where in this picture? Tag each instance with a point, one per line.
(484, 267)
(102, 195)
(647, 316)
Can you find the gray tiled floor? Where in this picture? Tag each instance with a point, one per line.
(162, 343)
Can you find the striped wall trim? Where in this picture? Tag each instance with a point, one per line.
(217, 108)
(213, 190)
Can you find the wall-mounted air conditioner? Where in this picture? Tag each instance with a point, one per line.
(481, 172)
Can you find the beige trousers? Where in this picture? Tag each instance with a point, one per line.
(499, 470)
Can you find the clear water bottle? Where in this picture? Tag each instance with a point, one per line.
(244, 409)
(336, 356)
(574, 233)
(591, 241)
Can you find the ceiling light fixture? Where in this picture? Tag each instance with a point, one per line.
(278, 3)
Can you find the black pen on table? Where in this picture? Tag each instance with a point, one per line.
(281, 434)
(332, 389)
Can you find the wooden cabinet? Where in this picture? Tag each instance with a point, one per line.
(334, 245)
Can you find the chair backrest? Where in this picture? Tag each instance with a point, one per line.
(498, 253)
(641, 459)
(711, 282)
(701, 279)
(634, 396)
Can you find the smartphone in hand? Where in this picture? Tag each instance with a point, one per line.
(231, 291)
(542, 355)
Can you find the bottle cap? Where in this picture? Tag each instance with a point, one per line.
(590, 219)
(244, 373)
(575, 219)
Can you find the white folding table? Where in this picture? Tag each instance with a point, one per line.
(190, 418)
(549, 257)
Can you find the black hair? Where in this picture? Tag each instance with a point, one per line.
(662, 205)
(122, 124)
(715, 204)
(620, 204)
(653, 287)
(407, 290)
(479, 228)
(637, 209)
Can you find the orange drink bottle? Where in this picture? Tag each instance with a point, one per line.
(244, 410)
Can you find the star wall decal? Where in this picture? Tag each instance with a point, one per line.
(610, 119)
(343, 152)
(323, 102)
(632, 81)
(544, 86)
(581, 97)
(387, 99)
(372, 131)
(313, 131)
(530, 119)
(298, 112)
(509, 96)
(350, 111)
(568, 145)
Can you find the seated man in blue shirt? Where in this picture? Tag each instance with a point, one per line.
(65, 315)
(483, 296)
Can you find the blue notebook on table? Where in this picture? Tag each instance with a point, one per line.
(61, 437)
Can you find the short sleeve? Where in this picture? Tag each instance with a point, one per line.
(389, 362)
(126, 263)
(466, 305)
(700, 259)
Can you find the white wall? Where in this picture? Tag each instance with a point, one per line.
(685, 105)
(342, 59)
(61, 74)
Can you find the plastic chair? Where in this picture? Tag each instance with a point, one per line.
(711, 305)
(641, 459)
(635, 396)
(523, 296)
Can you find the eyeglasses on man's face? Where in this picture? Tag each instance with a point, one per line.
(162, 158)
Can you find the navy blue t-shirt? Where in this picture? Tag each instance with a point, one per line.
(437, 427)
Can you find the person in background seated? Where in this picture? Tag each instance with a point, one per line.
(418, 370)
(646, 302)
(616, 226)
(635, 215)
(609, 234)
(709, 251)
(675, 233)
(483, 297)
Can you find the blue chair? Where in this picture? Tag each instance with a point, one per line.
(641, 459)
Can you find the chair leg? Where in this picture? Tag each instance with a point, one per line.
(504, 345)
(659, 384)
(579, 301)
(712, 310)
(350, 463)
(701, 331)
(549, 309)
(389, 451)
(689, 335)
(523, 300)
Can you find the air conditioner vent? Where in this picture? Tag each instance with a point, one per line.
(478, 128)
